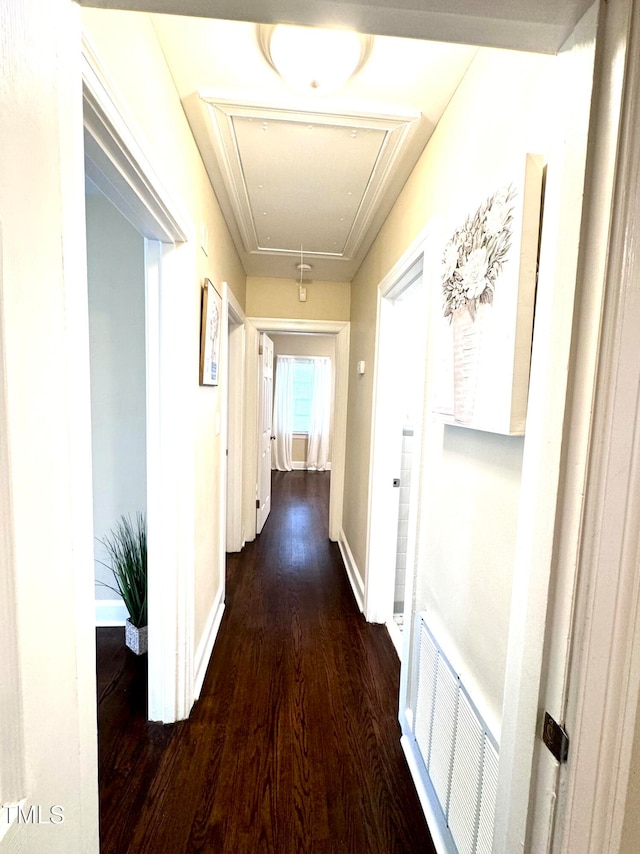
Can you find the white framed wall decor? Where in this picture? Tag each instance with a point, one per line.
(484, 297)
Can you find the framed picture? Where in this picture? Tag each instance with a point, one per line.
(483, 303)
(210, 335)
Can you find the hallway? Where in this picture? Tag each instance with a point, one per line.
(294, 745)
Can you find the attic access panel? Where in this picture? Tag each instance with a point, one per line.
(305, 181)
(297, 177)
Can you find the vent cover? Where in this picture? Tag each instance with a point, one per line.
(459, 753)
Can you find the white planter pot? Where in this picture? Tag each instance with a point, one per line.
(135, 639)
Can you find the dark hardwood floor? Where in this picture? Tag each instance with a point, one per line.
(294, 745)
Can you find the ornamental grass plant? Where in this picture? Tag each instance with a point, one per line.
(126, 547)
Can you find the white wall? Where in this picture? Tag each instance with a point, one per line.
(43, 299)
(467, 554)
(507, 105)
(115, 270)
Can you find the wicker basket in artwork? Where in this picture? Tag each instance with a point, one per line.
(467, 341)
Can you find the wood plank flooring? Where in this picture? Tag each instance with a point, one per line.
(294, 745)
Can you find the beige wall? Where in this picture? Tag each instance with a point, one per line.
(503, 108)
(126, 44)
(268, 297)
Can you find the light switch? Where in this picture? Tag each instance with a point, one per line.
(360, 367)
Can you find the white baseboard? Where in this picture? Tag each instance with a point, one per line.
(205, 647)
(299, 465)
(110, 612)
(353, 574)
(435, 820)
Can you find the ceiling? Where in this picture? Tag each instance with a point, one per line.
(543, 25)
(297, 173)
(318, 175)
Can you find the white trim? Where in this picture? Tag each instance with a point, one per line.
(12, 769)
(250, 428)
(236, 312)
(353, 573)
(398, 129)
(339, 328)
(550, 490)
(222, 426)
(205, 647)
(284, 324)
(110, 612)
(384, 459)
(434, 817)
(406, 260)
(339, 441)
(598, 792)
(383, 462)
(300, 465)
(233, 418)
(117, 163)
(116, 159)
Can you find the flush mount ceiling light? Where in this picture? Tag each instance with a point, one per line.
(312, 59)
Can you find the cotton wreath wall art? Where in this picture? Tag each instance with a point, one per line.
(484, 306)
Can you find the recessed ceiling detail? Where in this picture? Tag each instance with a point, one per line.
(347, 153)
(302, 178)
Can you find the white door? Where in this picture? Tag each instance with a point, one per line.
(265, 413)
(401, 356)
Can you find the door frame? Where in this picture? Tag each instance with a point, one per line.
(116, 162)
(379, 578)
(601, 704)
(339, 328)
(265, 426)
(234, 408)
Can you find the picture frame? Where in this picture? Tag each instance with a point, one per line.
(483, 305)
(210, 333)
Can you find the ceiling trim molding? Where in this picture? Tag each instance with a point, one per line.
(116, 159)
(288, 324)
(397, 128)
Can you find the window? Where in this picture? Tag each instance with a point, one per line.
(302, 394)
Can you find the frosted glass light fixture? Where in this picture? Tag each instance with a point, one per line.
(312, 59)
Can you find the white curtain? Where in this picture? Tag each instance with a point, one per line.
(320, 418)
(282, 447)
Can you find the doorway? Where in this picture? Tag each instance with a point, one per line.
(131, 184)
(234, 536)
(398, 398)
(117, 340)
(339, 330)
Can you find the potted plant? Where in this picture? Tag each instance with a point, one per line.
(126, 547)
